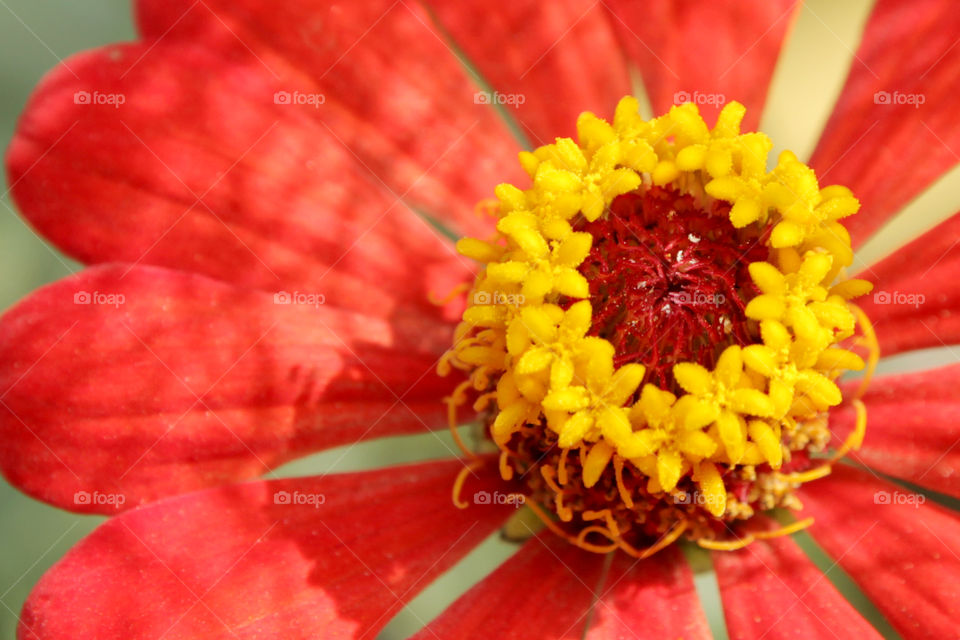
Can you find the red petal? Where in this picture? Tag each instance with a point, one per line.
(199, 170)
(161, 382)
(655, 596)
(708, 52)
(771, 590)
(888, 152)
(902, 554)
(913, 428)
(916, 299)
(544, 591)
(535, 52)
(395, 94)
(559, 584)
(245, 562)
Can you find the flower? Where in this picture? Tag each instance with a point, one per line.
(259, 190)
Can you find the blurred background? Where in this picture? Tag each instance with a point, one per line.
(33, 37)
(35, 34)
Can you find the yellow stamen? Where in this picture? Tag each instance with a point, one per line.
(562, 467)
(467, 470)
(727, 545)
(453, 401)
(621, 488)
(550, 524)
(588, 546)
(607, 516)
(488, 207)
(799, 525)
(868, 340)
(563, 511)
(855, 439)
(802, 477)
(662, 543)
(506, 471)
(740, 543)
(457, 290)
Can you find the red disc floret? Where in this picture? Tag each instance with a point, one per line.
(669, 280)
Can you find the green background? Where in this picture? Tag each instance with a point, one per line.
(35, 34)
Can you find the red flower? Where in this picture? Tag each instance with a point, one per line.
(257, 189)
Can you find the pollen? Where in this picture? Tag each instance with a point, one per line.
(655, 336)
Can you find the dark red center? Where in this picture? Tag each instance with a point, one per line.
(669, 280)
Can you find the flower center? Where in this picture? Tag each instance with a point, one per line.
(669, 281)
(653, 342)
